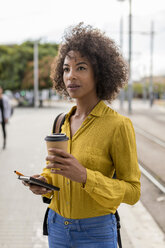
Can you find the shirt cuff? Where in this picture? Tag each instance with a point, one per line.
(48, 195)
(90, 182)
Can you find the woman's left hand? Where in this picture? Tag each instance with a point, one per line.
(67, 165)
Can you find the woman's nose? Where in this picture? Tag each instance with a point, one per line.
(71, 74)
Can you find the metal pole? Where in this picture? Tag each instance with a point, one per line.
(130, 60)
(151, 93)
(144, 85)
(121, 33)
(121, 47)
(122, 93)
(36, 96)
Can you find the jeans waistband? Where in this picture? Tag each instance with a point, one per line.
(91, 220)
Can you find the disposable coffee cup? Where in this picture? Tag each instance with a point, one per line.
(57, 140)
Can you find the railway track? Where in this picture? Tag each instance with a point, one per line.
(143, 169)
(152, 178)
(149, 136)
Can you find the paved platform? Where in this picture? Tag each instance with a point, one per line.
(21, 212)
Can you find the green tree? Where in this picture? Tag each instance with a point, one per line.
(44, 74)
(16, 61)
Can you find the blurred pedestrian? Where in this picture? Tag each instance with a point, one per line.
(5, 113)
(90, 69)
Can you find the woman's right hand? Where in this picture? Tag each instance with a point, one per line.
(38, 190)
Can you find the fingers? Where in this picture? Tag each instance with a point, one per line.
(55, 167)
(25, 184)
(59, 159)
(36, 176)
(59, 152)
(39, 177)
(55, 159)
(39, 190)
(60, 172)
(57, 163)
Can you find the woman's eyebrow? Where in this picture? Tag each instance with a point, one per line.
(80, 63)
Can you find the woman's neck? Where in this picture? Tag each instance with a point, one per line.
(85, 107)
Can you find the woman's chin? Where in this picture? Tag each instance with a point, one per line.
(73, 95)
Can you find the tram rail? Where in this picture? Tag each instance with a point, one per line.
(149, 136)
(152, 179)
(144, 171)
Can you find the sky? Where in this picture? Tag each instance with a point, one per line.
(22, 20)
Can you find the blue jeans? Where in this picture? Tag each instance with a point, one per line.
(97, 232)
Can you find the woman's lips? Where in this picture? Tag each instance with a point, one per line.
(73, 87)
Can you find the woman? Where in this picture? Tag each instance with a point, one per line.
(90, 69)
(5, 113)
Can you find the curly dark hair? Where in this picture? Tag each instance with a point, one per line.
(110, 68)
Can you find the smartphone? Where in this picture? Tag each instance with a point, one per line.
(38, 182)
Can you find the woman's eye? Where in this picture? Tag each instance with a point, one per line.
(66, 69)
(81, 68)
